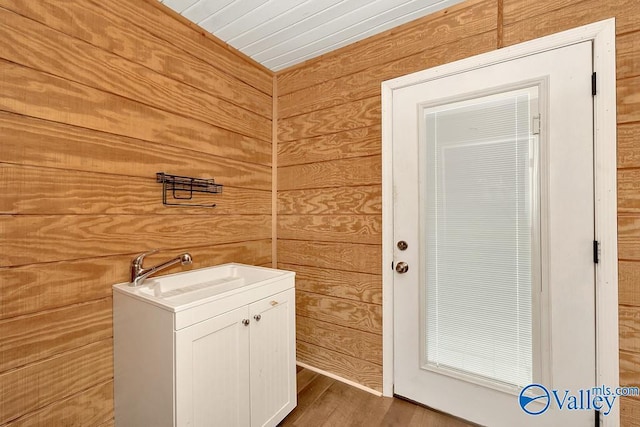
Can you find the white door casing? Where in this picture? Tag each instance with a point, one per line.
(601, 34)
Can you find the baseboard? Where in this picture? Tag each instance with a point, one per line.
(338, 378)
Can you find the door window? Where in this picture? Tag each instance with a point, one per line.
(478, 201)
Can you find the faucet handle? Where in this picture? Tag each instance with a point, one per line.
(140, 258)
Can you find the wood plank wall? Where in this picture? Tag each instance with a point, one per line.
(329, 170)
(96, 96)
(329, 181)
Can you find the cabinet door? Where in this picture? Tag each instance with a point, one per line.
(212, 379)
(273, 358)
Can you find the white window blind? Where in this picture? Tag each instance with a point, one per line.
(478, 225)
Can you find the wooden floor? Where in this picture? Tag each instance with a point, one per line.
(323, 401)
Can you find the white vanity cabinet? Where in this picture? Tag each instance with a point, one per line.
(249, 361)
(225, 358)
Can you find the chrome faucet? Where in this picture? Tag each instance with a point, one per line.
(139, 274)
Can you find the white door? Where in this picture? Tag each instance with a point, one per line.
(212, 375)
(493, 196)
(273, 358)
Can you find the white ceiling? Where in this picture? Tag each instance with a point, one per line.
(281, 33)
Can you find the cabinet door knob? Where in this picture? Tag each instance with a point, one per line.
(257, 317)
(274, 303)
(245, 322)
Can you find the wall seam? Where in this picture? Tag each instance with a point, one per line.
(500, 24)
(274, 175)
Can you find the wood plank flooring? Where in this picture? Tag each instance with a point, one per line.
(323, 401)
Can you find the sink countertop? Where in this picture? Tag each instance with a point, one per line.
(186, 289)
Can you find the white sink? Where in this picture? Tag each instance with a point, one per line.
(185, 289)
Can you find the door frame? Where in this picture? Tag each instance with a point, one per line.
(602, 34)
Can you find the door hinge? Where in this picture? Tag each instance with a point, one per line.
(596, 250)
(535, 124)
(594, 88)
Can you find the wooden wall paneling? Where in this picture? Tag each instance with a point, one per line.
(629, 283)
(629, 145)
(500, 25)
(217, 54)
(98, 96)
(109, 31)
(37, 287)
(360, 200)
(341, 145)
(364, 229)
(352, 115)
(340, 284)
(27, 339)
(575, 14)
(89, 25)
(20, 38)
(628, 100)
(362, 345)
(34, 238)
(37, 385)
(442, 27)
(211, 38)
(628, 191)
(56, 99)
(338, 173)
(36, 142)
(520, 10)
(90, 407)
(46, 191)
(366, 83)
(629, 368)
(629, 237)
(629, 412)
(331, 256)
(351, 314)
(628, 55)
(629, 329)
(354, 369)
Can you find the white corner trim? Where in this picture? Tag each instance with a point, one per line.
(387, 241)
(602, 35)
(338, 378)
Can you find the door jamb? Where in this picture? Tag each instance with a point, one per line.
(602, 34)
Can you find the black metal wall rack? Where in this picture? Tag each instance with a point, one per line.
(176, 189)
